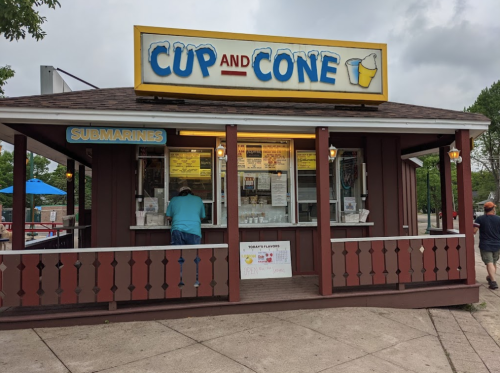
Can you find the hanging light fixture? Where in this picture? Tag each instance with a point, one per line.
(454, 154)
(221, 153)
(333, 153)
(69, 176)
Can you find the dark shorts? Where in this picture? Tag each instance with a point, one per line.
(183, 238)
(489, 256)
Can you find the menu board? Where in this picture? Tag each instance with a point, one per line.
(262, 157)
(264, 181)
(265, 259)
(278, 190)
(306, 160)
(188, 164)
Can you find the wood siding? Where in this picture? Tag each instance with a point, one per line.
(410, 197)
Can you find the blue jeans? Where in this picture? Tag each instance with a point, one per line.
(183, 238)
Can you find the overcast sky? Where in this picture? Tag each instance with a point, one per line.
(440, 53)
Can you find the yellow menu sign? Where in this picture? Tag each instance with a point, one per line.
(187, 164)
(306, 160)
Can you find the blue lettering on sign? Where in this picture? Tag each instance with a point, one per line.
(177, 61)
(161, 71)
(283, 55)
(326, 58)
(311, 70)
(205, 64)
(259, 55)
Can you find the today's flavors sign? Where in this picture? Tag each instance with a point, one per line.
(265, 259)
(189, 63)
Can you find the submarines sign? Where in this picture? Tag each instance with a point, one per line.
(201, 64)
(113, 135)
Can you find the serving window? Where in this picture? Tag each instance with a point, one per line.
(192, 168)
(152, 178)
(264, 183)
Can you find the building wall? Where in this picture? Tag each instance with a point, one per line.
(410, 197)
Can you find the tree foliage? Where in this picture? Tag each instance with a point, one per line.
(18, 17)
(5, 74)
(486, 153)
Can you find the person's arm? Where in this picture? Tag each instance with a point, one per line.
(169, 211)
(477, 224)
(202, 210)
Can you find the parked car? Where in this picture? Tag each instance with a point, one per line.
(455, 214)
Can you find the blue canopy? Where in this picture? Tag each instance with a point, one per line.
(36, 186)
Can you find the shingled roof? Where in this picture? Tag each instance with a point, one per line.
(124, 99)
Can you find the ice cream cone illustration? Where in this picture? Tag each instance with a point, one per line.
(367, 70)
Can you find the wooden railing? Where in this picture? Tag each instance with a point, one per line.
(48, 277)
(47, 243)
(398, 260)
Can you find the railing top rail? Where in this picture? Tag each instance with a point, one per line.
(114, 249)
(395, 238)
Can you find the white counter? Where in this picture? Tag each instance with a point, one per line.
(267, 225)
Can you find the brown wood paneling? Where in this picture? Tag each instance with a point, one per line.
(269, 235)
(159, 238)
(141, 238)
(122, 275)
(463, 257)
(404, 261)
(441, 259)
(378, 260)
(365, 263)
(105, 277)
(405, 191)
(1, 280)
(355, 232)
(30, 279)
(69, 277)
(390, 186)
(86, 277)
(189, 274)
(19, 192)
(156, 274)
(213, 237)
(250, 235)
(11, 280)
(306, 248)
(338, 233)
(140, 271)
(391, 262)
(205, 272)
(453, 258)
(221, 272)
(338, 264)
(50, 279)
(173, 274)
(102, 206)
(352, 263)
(417, 261)
(429, 259)
(375, 201)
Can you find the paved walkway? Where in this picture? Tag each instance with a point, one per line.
(341, 340)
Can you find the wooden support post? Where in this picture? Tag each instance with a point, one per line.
(465, 215)
(81, 204)
(323, 203)
(232, 212)
(446, 189)
(70, 197)
(19, 195)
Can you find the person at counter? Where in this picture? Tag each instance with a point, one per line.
(185, 212)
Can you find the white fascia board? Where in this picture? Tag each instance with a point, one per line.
(245, 122)
(417, 161)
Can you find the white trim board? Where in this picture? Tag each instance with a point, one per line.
(245, 122)
(112, 249)
(364, 239)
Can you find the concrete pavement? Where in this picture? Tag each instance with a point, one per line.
(341, 340)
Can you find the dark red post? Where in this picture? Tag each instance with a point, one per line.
(81, 204)
(323, 203)
(19, 195)
(232, 212)
(465, 201)
(70, 189)
(446, 189)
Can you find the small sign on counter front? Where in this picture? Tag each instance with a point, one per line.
(270, 259)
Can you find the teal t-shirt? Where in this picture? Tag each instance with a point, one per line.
(186, 213)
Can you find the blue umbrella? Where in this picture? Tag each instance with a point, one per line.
(36, 186)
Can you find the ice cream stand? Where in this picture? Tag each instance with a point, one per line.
(294, 149)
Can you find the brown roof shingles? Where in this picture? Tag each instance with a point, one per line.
(126, 100)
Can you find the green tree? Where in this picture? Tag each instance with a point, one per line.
(486, 153)
(6, 176)
(431, 162)
(483, 182)
(19, 17)
(58, 179)
(5, 74)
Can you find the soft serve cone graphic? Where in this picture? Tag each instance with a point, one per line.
(367, 70)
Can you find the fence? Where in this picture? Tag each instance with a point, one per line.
(398, 260)
(49, 277)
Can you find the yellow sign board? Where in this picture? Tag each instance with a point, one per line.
(190, 165)
(306, 160)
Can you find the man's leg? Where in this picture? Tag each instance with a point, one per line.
(491, 268)
(192, 239)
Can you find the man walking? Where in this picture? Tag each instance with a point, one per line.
(488, 226)
(186, 212)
